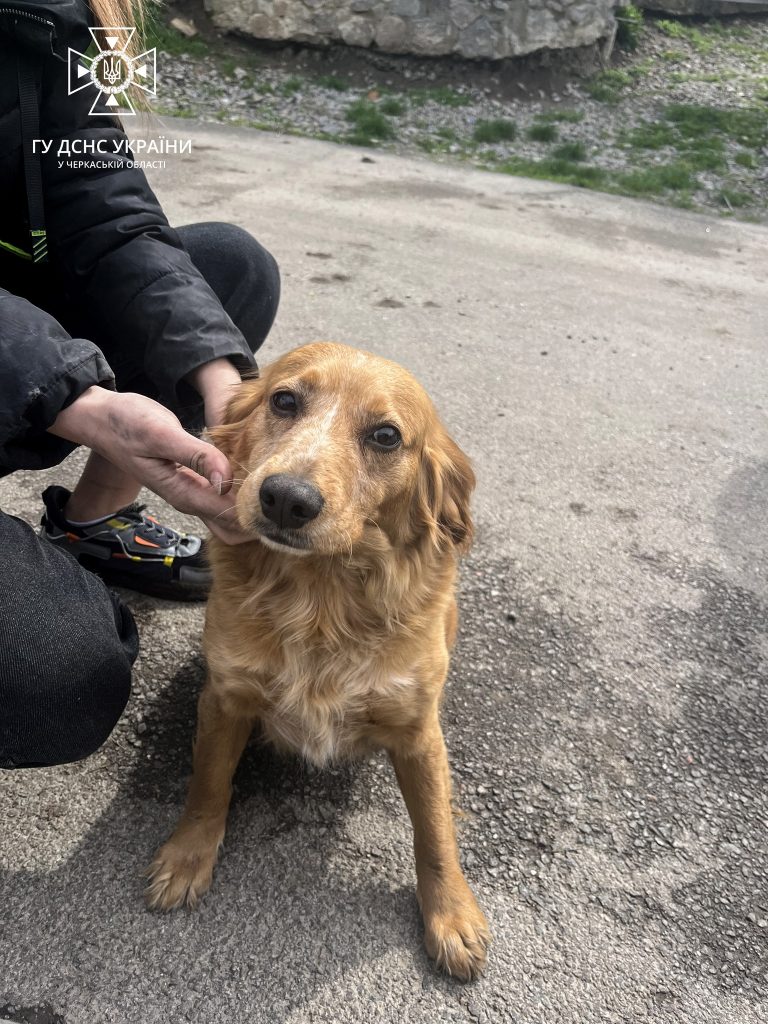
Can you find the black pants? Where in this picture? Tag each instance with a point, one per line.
(67, 643)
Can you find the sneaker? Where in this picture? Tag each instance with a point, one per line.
(131, 549)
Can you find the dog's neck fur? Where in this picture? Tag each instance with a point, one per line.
(327, 600)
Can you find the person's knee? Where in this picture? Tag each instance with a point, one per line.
(70, 717)
(244, 274)
(248, 255)
(61, 705)
(105, 687)
(257, 274)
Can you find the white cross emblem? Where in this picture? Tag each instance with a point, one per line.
(111, 71)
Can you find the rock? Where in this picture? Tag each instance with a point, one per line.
(478, 41)
(477, 29)
(356, 31)
(405, 8)
(463, 13)
(391, 34)
(187, 28)
(432, 36)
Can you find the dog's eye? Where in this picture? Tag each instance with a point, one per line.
(385, 437)
(284, 403)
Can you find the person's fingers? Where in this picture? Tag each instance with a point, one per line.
(227, 534)
(187, 491)
(198, 455)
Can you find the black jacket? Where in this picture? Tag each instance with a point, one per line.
(111, 250)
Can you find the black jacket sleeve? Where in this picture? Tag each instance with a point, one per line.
(145, 301)
(43, 371)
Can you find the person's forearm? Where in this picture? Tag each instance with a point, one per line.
(83, 420)
(215, 383)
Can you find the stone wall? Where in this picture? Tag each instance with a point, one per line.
(477, 29)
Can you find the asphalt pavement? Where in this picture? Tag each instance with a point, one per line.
(604, 363)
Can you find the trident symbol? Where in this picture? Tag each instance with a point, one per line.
(113, 70)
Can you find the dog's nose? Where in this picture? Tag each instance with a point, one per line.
(288, 501)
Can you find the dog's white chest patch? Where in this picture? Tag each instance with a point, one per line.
(323, 724)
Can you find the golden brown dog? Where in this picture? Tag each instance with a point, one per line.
(332, 628)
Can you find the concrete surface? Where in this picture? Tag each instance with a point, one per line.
(604, 362)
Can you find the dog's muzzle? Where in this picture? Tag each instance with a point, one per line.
(289, 502)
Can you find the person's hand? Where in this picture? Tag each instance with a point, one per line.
(147, 441)
(215, 382)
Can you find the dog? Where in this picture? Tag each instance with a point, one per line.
(332, 628)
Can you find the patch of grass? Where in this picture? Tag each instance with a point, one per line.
(673, 29)
(720, 76)
(701, 42)
(734, 198)
(654, 181)
(370, 125)
(564, 116)
(291, 86)
(542, 133)
(651, 135)
(745, 159)
(443, 95)
(496, 130)
(682, 199)
(698, 135)
(392, 107)
(708, 156)
(446, 133)
(564, 171)
(333, 82)
(640, 70)
(177, 111)
(629, 27)
(574, 151)
(607, 86)
(432, 145)
(673, 55)
(748, 126)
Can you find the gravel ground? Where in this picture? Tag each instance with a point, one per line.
(437, 107)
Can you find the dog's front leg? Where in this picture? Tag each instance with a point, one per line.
(455, 929)
(183, 867)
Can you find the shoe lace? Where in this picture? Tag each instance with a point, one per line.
(149, 525)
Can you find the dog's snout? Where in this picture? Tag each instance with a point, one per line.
(289, 502)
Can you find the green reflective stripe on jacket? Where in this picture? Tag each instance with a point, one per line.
(15, 250)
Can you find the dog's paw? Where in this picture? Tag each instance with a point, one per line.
(181, 872)
(458, 939)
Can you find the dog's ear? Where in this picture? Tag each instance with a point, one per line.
(446, 483)
(244, 402)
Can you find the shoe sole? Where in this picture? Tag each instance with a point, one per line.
(170, 591)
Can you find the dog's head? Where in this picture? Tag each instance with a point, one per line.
(337, 450)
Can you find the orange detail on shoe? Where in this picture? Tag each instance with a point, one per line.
(146, 543)
(73, 536)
